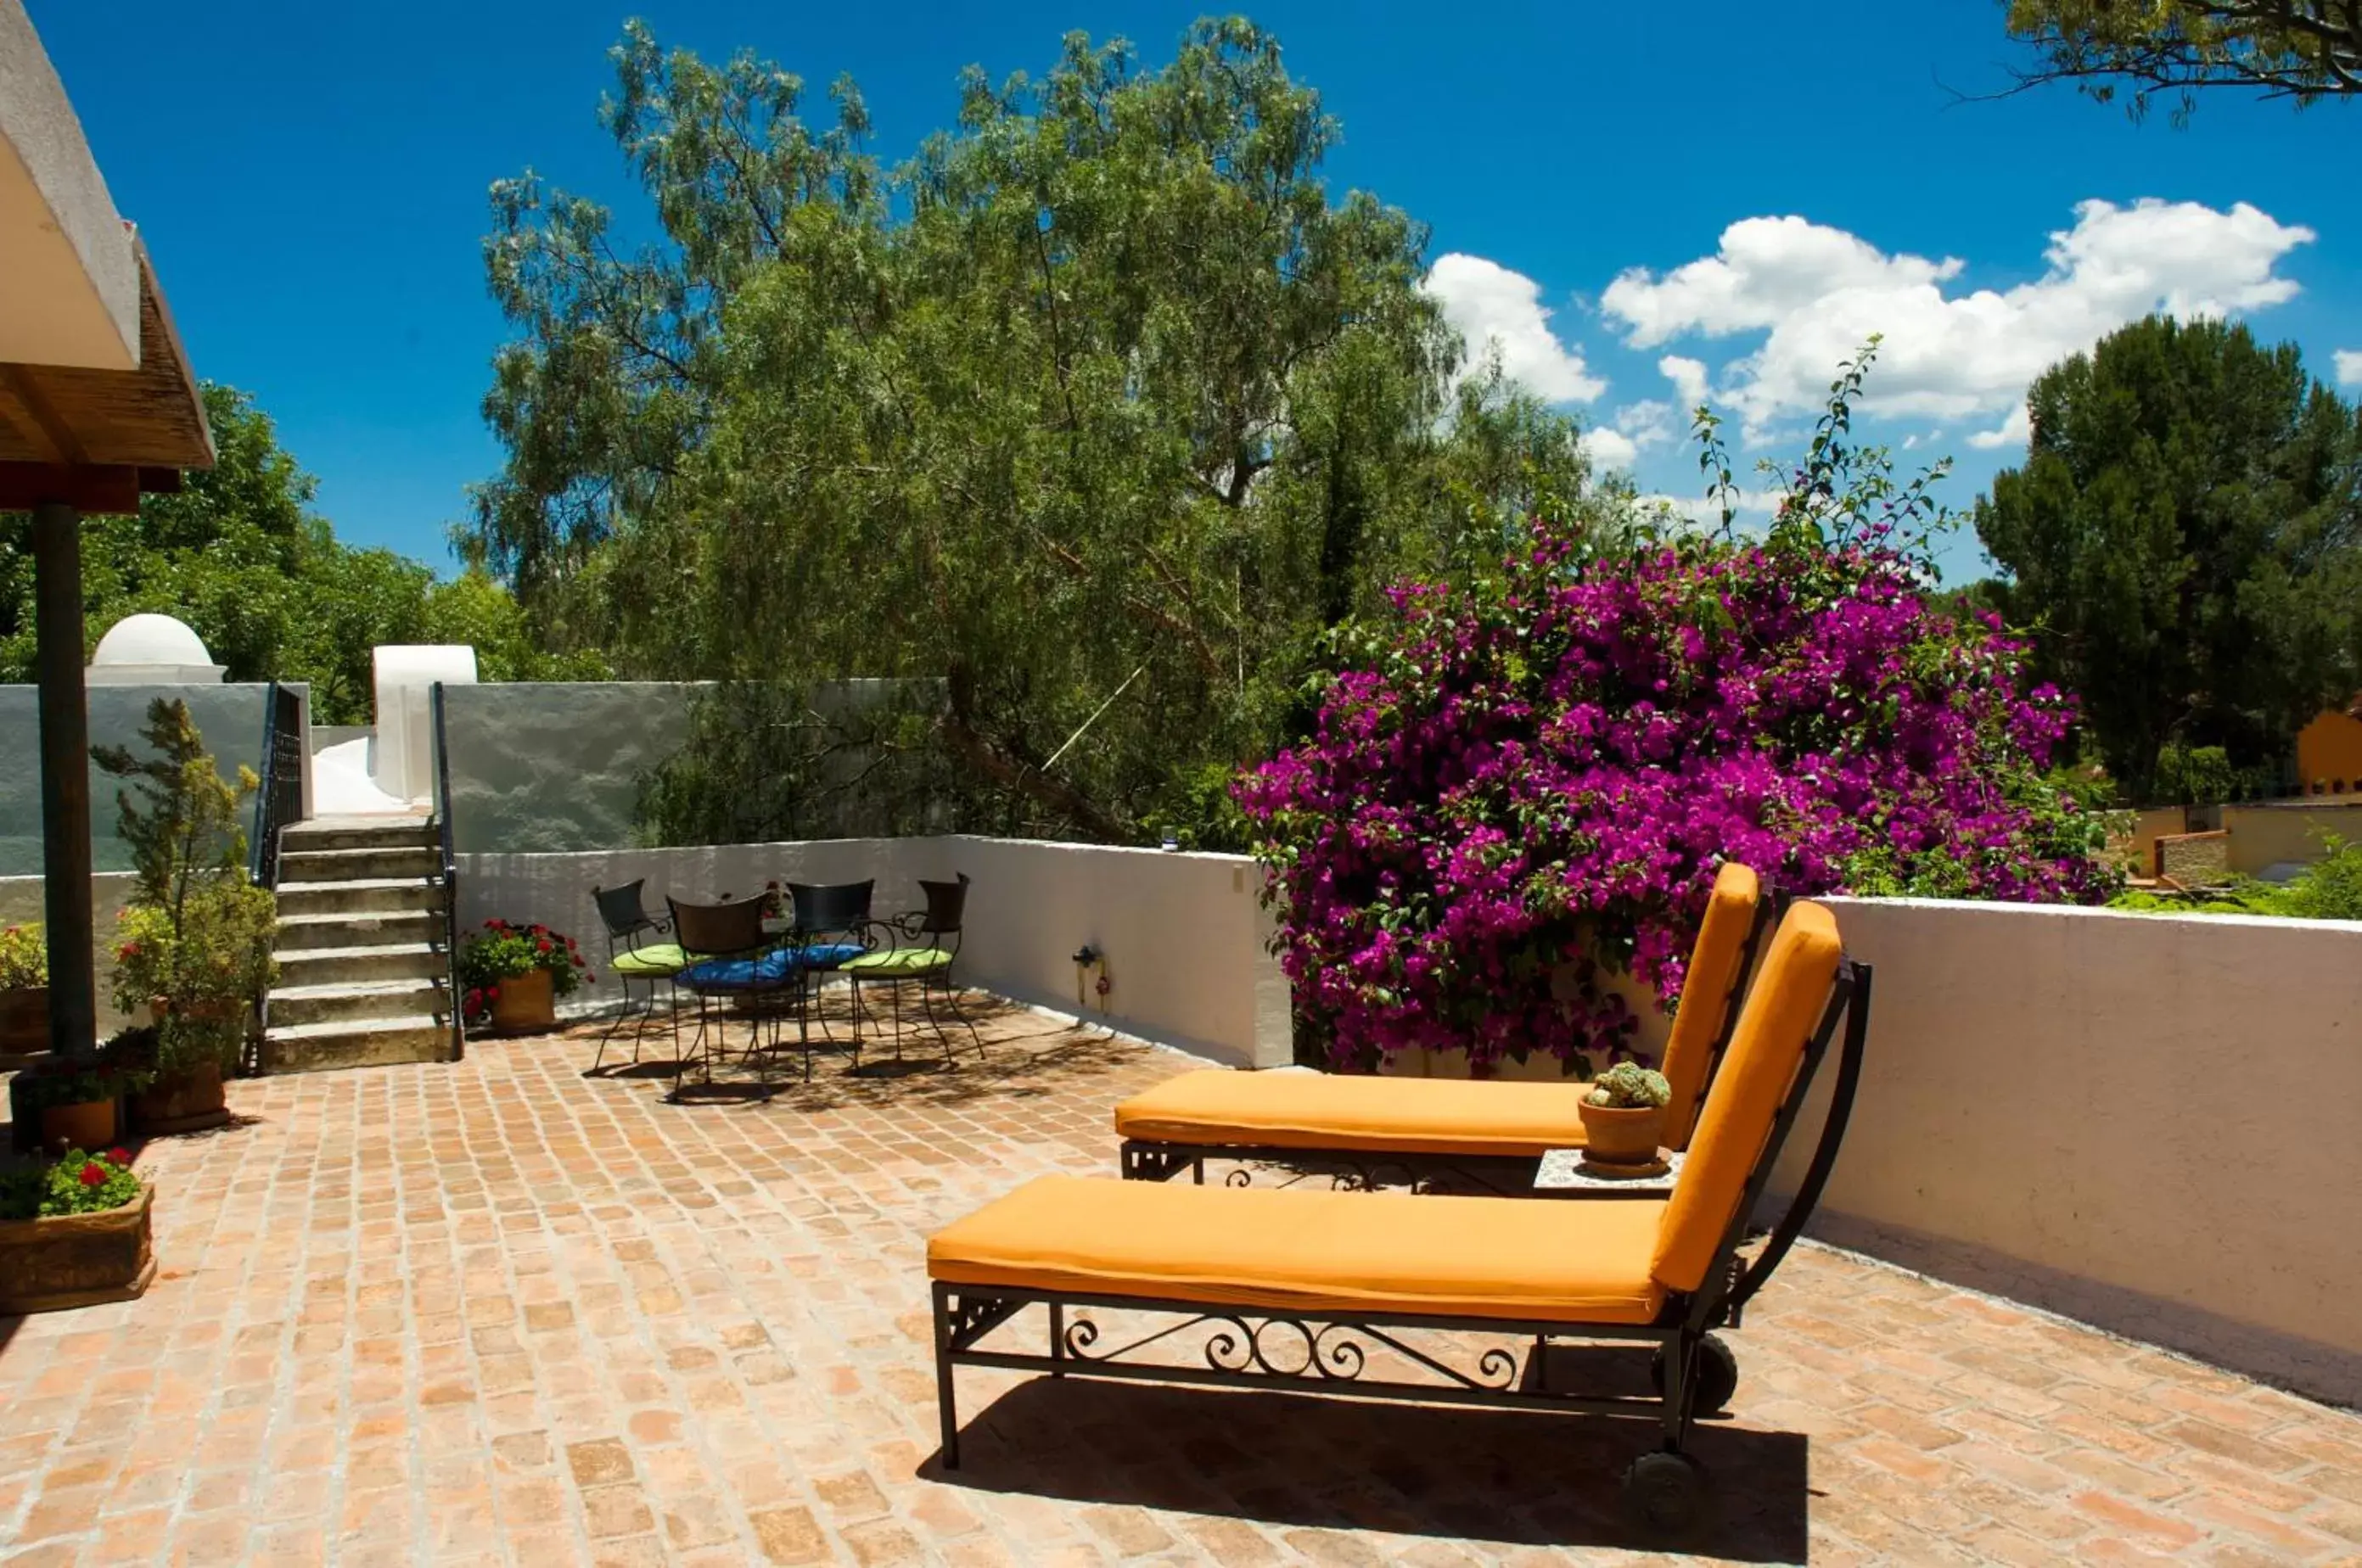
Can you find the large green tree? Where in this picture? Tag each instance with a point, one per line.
(2185, 538)
(241, 557)
(2302, 50)
(1101, 410)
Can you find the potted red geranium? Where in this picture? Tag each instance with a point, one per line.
(513, 975)
(74, 1232)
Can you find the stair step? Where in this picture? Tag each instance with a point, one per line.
(303, 967)
(346, 833)
(320, 932)
(353, 865)
(382, 1042)
(363, 895)
(356, 1001)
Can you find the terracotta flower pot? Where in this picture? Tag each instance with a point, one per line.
(525, 1003)
(24, 1020)
(90, 1125)
(1621, 1135)
(185, 1101)
(77, 1260)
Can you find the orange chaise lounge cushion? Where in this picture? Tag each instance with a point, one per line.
(1708, 990)
(1349, 1110)
(1792, 991)
(1294, 1251)
(1218, 1108)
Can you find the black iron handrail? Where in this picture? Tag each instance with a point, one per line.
(279, 801)
(450, 875)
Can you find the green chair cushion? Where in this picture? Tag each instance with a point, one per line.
(655, 958)
(905, 960)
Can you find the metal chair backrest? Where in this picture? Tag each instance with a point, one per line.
(819, 909)
(621, 911)
(946, 902)
(715, 929)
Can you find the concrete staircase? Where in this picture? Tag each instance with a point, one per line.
(364, 978)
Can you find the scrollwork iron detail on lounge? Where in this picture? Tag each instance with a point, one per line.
(1296, 1349)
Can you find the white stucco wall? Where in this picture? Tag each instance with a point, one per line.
(1183, 935)
(2146, 1121)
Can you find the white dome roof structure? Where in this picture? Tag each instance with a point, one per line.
(152, 649)
(147, 639)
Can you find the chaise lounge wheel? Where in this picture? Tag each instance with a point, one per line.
(1669, 1496)
(1717, 1375)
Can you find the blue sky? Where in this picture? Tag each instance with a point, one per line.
(1634, 201)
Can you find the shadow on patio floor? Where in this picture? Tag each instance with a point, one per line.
(1026, 1054)
(1290, 1461)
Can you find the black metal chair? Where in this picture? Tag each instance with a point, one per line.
(729, 955)
(828, 926)
(638, 954)
(927, 944)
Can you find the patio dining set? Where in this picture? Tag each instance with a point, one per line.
(766, 960)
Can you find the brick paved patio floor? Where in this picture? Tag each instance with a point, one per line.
(502, 1313)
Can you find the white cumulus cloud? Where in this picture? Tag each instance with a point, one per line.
(2349, 367)
(1651, 422)
(1609, 448)
(1688, 377)
(1816, 293)
(2014, 431)
(1488, 304)
(1753, 507)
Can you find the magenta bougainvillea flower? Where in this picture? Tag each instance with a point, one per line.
(1515, 786)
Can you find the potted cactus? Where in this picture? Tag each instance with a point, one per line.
(1624, 1115)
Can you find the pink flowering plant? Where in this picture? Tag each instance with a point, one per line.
(1518, 784)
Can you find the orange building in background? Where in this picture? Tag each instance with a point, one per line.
(2329, 755)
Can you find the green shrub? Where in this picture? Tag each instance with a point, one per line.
(24, 957)
(2329, 889)
(196, 944)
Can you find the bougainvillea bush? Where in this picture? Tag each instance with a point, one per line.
(1516, 785)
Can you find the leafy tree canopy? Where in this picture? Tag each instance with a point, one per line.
(2185, 540)
(1100, 409)
(2304, 50)
(241, 557)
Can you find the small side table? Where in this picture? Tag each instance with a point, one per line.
(1561, 1174)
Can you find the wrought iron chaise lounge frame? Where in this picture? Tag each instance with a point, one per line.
(1161, 1159)
(1665, 1488)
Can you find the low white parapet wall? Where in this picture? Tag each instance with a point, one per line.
(2149, 1122)
(1183, 935)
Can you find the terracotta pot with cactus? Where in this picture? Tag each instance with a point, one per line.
(1624, 1115)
